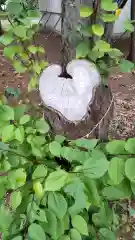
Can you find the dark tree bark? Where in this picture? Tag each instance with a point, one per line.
(1, 29)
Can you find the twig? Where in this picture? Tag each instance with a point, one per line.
(88, 134)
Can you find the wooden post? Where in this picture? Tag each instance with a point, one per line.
(131, 56)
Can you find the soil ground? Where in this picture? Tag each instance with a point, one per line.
(122, 85)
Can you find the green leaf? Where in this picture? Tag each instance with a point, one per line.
(15, 199)
(55, 148)
(19, 111)
(17, 178)
(60, 139)
(98, 29)
(65, 237)
(7, 133)
(42, 126)
(19, 67)
(72, 154)
(35, 213)
(85, 143)
(25, 119)
(116, 147)
(115, 53)
(56, 180)
(20, 31)
(50, 226)
(92, 191)
(6, 113)
(75, 235)
(130, 145)
(121, 191)
(38, 189)
(19, 134)
(39, 172)
(80, 225)
(116, 170)
(58, 204)
(129, 169)
(6, 39)
(85, 11)
(126, 66)
(109, 5)
(82, 50)
(128, 26)
(14, 8)
(95, 168)
(36, 232)
(107, 234)
(102, 46)
(108, 17)
(18, 238)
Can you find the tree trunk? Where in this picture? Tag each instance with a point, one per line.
(101, 106)
(131, 56)
(1, 29)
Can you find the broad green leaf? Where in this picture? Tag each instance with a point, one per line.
(116, 170)
(102, 217)
(91, 190)
(126, 66)
(15, 199)
(129, 169)
(14, 8)
(102, 46)
(75, 235)
(85, 143)
(24, 119)
(95, 168)
(56, 180)
(19, 67)
(32, 84)
(95, 54)
(128, 26)
(60, 139)
(121, 191)
(7, 133)
(74, 154)
(80, 225)
(19, 134)
(42, 126)
(17, 178)
(35, 213)
(116, 147)
(82, 50)
(20, 31)
(39, 172)
(98, 29)
(85, 11)
(58, 204)
(55, 148)
(6, 113)
(130, 145)
(108, 17)
(18, 238)
(19, 111)
(33, 13)
(6, 39)
(115, 53)
(109, 5)
(5, 218)
(38, 189)
(65, 237)
(107, 234)
(50, 226)
(36, 232)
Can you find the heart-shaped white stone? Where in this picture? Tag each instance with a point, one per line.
(70, 97)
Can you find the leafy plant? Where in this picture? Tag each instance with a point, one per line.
(94, 44)
(59, 189)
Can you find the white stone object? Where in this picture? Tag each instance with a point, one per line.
(70, 97)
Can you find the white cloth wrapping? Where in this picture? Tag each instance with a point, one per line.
(70, 97)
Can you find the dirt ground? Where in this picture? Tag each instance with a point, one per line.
(122, 85)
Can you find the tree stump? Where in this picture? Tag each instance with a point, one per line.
(99, 110)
